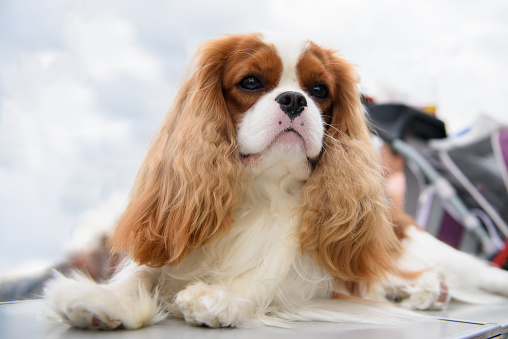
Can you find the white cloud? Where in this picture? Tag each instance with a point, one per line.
(60, 155)
(51, 153)
(95, 222)
(70, 120)
(107, 47)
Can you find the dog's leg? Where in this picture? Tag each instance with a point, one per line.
(446, 272)
(125, 302)
(225, 301)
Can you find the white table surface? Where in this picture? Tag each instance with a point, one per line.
(19, 320)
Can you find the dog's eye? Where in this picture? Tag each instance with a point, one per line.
(251, 83)
(320, 91)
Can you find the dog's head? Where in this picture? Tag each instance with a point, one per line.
(278, 105)
(249, 100)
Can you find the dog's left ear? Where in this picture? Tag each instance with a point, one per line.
(344, 207)
(191, 181)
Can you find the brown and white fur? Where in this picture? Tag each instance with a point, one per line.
(261, 200)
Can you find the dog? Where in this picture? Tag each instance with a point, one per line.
(261, 200)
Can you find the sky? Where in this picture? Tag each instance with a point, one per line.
(84, 85)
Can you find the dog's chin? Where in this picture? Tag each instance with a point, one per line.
(287, 147)
(290, 139)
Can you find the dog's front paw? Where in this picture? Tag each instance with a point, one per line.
(429, 292)
(82, 316)
(82, 303)
(202, 304)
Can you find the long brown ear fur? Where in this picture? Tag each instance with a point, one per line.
(192, 178)
(344, 207)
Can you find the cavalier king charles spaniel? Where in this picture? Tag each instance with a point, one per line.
(262, 201)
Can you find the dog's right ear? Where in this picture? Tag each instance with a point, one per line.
(192, 178)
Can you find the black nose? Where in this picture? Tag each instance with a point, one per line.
(291, 103)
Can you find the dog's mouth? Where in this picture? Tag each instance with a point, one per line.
(289, 138)
(288, 131)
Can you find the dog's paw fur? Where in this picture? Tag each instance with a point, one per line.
(428, 293)
(81, 303)
(202, 304)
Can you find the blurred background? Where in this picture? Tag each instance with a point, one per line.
(84, 84)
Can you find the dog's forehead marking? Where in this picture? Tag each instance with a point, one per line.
(290, 50)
